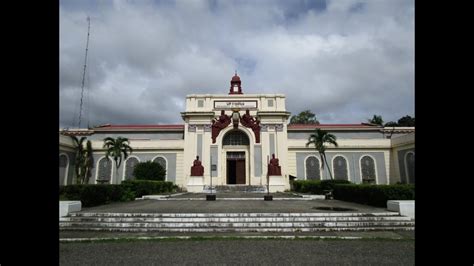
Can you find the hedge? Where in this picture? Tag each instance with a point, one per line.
(148, 187)
(330, 184)
(316, 186)
(93, 195)
(374, 195)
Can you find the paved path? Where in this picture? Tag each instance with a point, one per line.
(259, 206)
(238, 195)
(240, 252)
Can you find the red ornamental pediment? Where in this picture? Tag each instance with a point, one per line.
(246, 120)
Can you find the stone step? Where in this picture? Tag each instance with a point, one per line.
(230, 219)
(237, 188)
(191, 215)
(240, 225)
(235, 222)
(244, 230)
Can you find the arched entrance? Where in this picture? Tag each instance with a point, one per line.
(235, 145)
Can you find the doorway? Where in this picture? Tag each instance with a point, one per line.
(235, 168)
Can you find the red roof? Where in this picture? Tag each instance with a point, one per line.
(290, 126)
(141, 127)
(313, 126)
(236, 78)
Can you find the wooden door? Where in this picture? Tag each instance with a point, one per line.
(240, 172)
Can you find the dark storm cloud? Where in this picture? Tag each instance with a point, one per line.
(344, 60)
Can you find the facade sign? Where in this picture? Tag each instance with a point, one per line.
(235, 104)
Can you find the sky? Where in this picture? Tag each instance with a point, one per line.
(344, 60)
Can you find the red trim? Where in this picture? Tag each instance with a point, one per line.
(291, 126)
(310, 126)
(142, 126)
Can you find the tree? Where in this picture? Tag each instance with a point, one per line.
(305, 117)
(406, 121)
(117, 148)
(377, 120)
(391, 124)
(84, 160)
(88, 163)
(149, 171)
(319, 139)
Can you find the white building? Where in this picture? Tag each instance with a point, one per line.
(240, 151)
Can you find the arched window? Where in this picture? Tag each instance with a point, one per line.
(129, 166)
(104, 169)
(236, 137)
(161, 161)
(63, 169)
(410, 167)
(313, 168)
(367, 166)
(340, 168)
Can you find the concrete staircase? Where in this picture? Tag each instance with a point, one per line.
(238, 188)
(235, 222)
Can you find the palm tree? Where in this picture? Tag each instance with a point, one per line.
(319, 139)
(88, 162)
(84, 161)
(116, 148)
(79, 160)
(376, 119)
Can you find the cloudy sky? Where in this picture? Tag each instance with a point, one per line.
(344, 60)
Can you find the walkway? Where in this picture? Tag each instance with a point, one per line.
(235, 206)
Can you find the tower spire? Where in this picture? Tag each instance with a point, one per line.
(235, 85)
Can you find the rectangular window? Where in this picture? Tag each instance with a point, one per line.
(235, 155)
(200, 103)
(270, 103)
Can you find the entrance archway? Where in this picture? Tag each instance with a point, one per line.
(236, 148)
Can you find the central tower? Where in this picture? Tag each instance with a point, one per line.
(235, 85)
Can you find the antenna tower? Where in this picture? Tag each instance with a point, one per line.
(84, 72)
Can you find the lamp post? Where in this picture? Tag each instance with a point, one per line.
(268, 185)
(210, 173)
(268, 196)
(211, 196)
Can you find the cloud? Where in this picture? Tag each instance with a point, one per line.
(344, 60)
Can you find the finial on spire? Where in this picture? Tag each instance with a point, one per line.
(236, 72)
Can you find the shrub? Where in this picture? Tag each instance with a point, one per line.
(92, 195)
(316, 186)
(115, 193)
(149, 171)
(330, 184)
(95, 195)
(374, 195)
(71, 192)
(308, 186)
(148, 187)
